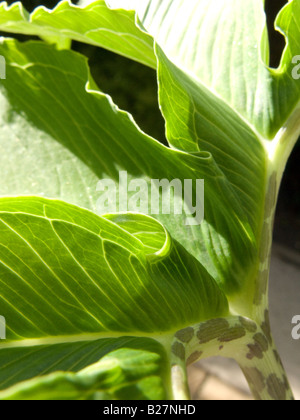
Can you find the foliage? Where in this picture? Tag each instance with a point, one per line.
(95, 304)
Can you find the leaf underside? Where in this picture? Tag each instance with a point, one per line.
(106, 369)
(91, 302)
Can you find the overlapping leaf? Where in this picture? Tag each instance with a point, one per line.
(224, 43)
(107, 369)
(59, 145)
(95, 24)
(70, 279)
(71, 282)
(196, 121)
(67, 271)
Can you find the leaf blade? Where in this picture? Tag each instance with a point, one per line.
(225, 45)
(93, 269)
(90, 148)
(109, 368)
(94, 24)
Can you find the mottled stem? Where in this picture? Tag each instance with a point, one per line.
(263, 368)
(180, 387)
(242, 339)
(248, 341)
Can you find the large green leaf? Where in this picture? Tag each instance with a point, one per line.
(198, 121)
(192, 34)
(66, 271)
(95, 24)
(234, 148)
(70, 280)
(60, 145)
(247, 96)
(106, 369)
(224, 43)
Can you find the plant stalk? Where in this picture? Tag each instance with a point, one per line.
(244, 340)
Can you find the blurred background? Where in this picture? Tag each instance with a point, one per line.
(133, 87)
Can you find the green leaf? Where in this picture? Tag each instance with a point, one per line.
(198, 121)
(95, 24)
(74, 273)
(40, 155)
(285, 86)
(224, 43)
(192, 35)
(107, 369)
(70, 278)
(71, 281)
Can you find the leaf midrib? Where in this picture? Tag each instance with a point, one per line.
(252, 128)
(162, 338)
